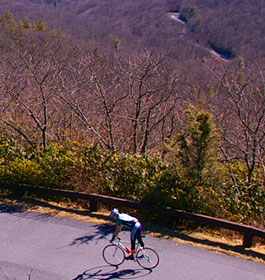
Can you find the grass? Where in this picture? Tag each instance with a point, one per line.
(222, 241)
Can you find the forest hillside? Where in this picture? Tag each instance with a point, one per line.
(235, 28)
(156, 101)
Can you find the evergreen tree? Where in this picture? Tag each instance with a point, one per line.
(195, 149)
(25, 23)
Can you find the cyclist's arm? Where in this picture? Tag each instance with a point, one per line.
(116, 232)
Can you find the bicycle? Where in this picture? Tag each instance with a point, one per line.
(116, 253)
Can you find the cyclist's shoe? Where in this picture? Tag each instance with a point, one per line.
(130, 257)
(132, 254)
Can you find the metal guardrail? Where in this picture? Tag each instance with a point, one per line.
(249, 232)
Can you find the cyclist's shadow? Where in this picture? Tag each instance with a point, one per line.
(109, 272)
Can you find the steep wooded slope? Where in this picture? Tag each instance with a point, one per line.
(236, 26)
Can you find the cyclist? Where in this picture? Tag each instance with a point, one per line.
(131, 223)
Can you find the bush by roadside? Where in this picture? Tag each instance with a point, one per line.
(136, 177)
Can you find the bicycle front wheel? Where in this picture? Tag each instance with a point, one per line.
(113, 255)
(147, 258)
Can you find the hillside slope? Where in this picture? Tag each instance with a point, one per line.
(233, 26)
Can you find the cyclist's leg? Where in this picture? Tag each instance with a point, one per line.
(133, 239)
(139, 236)
(136, 233)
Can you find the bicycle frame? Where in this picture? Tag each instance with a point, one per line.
(120, 244)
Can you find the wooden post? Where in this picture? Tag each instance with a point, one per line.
(247, 240)
(94, 206)
(19, 192)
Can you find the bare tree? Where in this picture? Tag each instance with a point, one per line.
(151, 101)
(28, 79)
(243, 118)
(91, 87)
(123, 103)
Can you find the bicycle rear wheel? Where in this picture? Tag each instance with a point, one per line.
(113, 255)
(147, 258)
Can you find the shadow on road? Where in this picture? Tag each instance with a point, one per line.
(101, 231)
(7, 208)
(112, 272)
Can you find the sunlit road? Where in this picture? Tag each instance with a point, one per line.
(53, 248)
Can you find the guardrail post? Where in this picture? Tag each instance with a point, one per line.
(94, 206)
(247, 240)
(19, 192)
(168, 220)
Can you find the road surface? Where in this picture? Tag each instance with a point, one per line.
(53, 248)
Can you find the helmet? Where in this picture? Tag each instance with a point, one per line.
(114, 212)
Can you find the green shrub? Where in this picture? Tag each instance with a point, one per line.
(136, 177)
(21, 171)
(243, 202)
(49, 167)
(57, 162)
(130, 176)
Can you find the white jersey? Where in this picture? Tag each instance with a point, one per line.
(126, 220)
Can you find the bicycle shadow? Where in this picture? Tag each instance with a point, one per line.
(108, 272)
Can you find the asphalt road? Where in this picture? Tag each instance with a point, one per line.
(53, 248)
